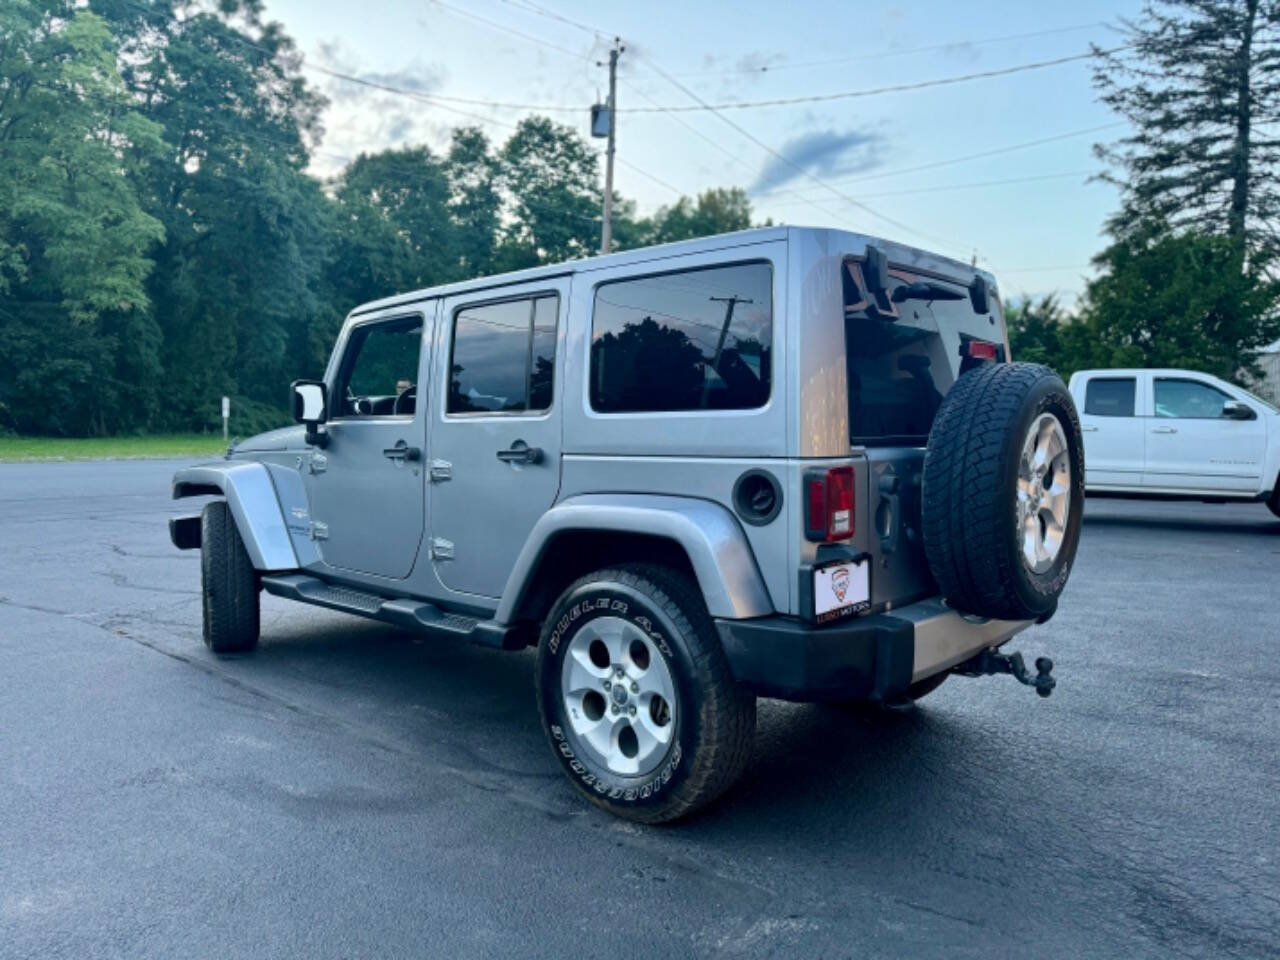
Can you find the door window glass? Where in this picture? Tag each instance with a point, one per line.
(1188, 399)
(380, 369)
(503, 356)
(694, 340)
(1110, 396)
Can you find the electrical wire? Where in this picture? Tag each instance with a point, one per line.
(935, 164)
(946, 188)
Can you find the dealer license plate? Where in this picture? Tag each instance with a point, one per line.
(840, 589)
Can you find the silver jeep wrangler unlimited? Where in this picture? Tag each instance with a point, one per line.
(787, 462)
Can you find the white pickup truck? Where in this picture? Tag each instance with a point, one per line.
(1177, 434)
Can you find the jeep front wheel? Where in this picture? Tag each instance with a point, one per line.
(636, 695)
(229, 584)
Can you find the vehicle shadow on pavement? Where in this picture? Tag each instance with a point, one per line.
(872, 769)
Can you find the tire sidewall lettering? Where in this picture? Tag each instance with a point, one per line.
(603, 600)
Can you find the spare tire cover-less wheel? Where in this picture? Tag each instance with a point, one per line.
(1004, 491)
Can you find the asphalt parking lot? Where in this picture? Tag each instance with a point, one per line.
(351, 790)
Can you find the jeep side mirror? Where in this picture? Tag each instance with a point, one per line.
(1235, 410)
(311, 407)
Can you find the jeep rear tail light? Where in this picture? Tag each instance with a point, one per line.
(982, 350)
(829, 504)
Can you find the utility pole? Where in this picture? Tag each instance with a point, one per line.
(606, 230)
(729, 304)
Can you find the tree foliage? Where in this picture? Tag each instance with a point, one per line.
(162, 242)
(1162, 300)
(1199, 80)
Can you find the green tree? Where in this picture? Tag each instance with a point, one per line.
(81, 345)
(714, 211)
(1197, 79)
(246, 229)
(1035, 330)
(1184, 300)
(550, 177)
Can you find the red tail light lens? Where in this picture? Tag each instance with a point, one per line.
(982, 350)
(829, 499)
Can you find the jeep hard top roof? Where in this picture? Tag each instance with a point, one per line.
(845, 241)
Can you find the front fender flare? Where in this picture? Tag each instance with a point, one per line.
(717, 548)
(251, 496)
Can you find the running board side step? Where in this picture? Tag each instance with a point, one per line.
(401, 612)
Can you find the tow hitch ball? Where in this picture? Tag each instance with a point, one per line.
(990, 662)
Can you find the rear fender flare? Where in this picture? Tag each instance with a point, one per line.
(709, 534)
(251, 496)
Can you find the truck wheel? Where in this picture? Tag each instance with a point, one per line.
(228, 583)
(636, 695)
(1003, 493)
(1273, 504)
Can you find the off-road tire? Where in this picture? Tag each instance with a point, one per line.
(715, 718)
(229, 584)
(969, 499)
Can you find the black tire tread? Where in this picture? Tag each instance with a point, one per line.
(728, 711)
(970, 450)
(229, 583)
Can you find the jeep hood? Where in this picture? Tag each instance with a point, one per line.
(286, 438)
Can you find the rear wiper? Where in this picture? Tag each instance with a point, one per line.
(924, 290)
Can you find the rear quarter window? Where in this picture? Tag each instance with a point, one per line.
(691, 340)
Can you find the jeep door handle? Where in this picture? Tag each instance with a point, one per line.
(402, 451)
(1164, 429)
(521, 452)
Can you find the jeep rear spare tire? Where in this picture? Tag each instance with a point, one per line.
(1003, 493)
(636, 695)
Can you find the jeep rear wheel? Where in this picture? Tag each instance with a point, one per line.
(636, 695)
(1003, 493)
(229, 584)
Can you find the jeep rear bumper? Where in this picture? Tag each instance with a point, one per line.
(875, 657)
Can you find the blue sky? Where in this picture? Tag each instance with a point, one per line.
(1036, 235)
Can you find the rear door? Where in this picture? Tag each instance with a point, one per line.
(495, 435)
(1191, 445)
(1114, 434)
(365, 488)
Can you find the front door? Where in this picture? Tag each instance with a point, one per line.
(365, 489)
(495, 431)
(1192, 445)
(1113, 433)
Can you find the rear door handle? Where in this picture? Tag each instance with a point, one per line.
(1088, 429)
(402, 451)
(1164, 429)
(521, 452)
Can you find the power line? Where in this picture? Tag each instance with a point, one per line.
(1073, 266)
(877, 91)
(945, 188)
(530, 4)
(863, 58)
(790, 163)
(1010, 148)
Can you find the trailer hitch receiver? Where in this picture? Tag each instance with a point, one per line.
(990, 662)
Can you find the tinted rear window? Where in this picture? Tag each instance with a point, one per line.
(1110, 396)
(898, 367)
(692, 340)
